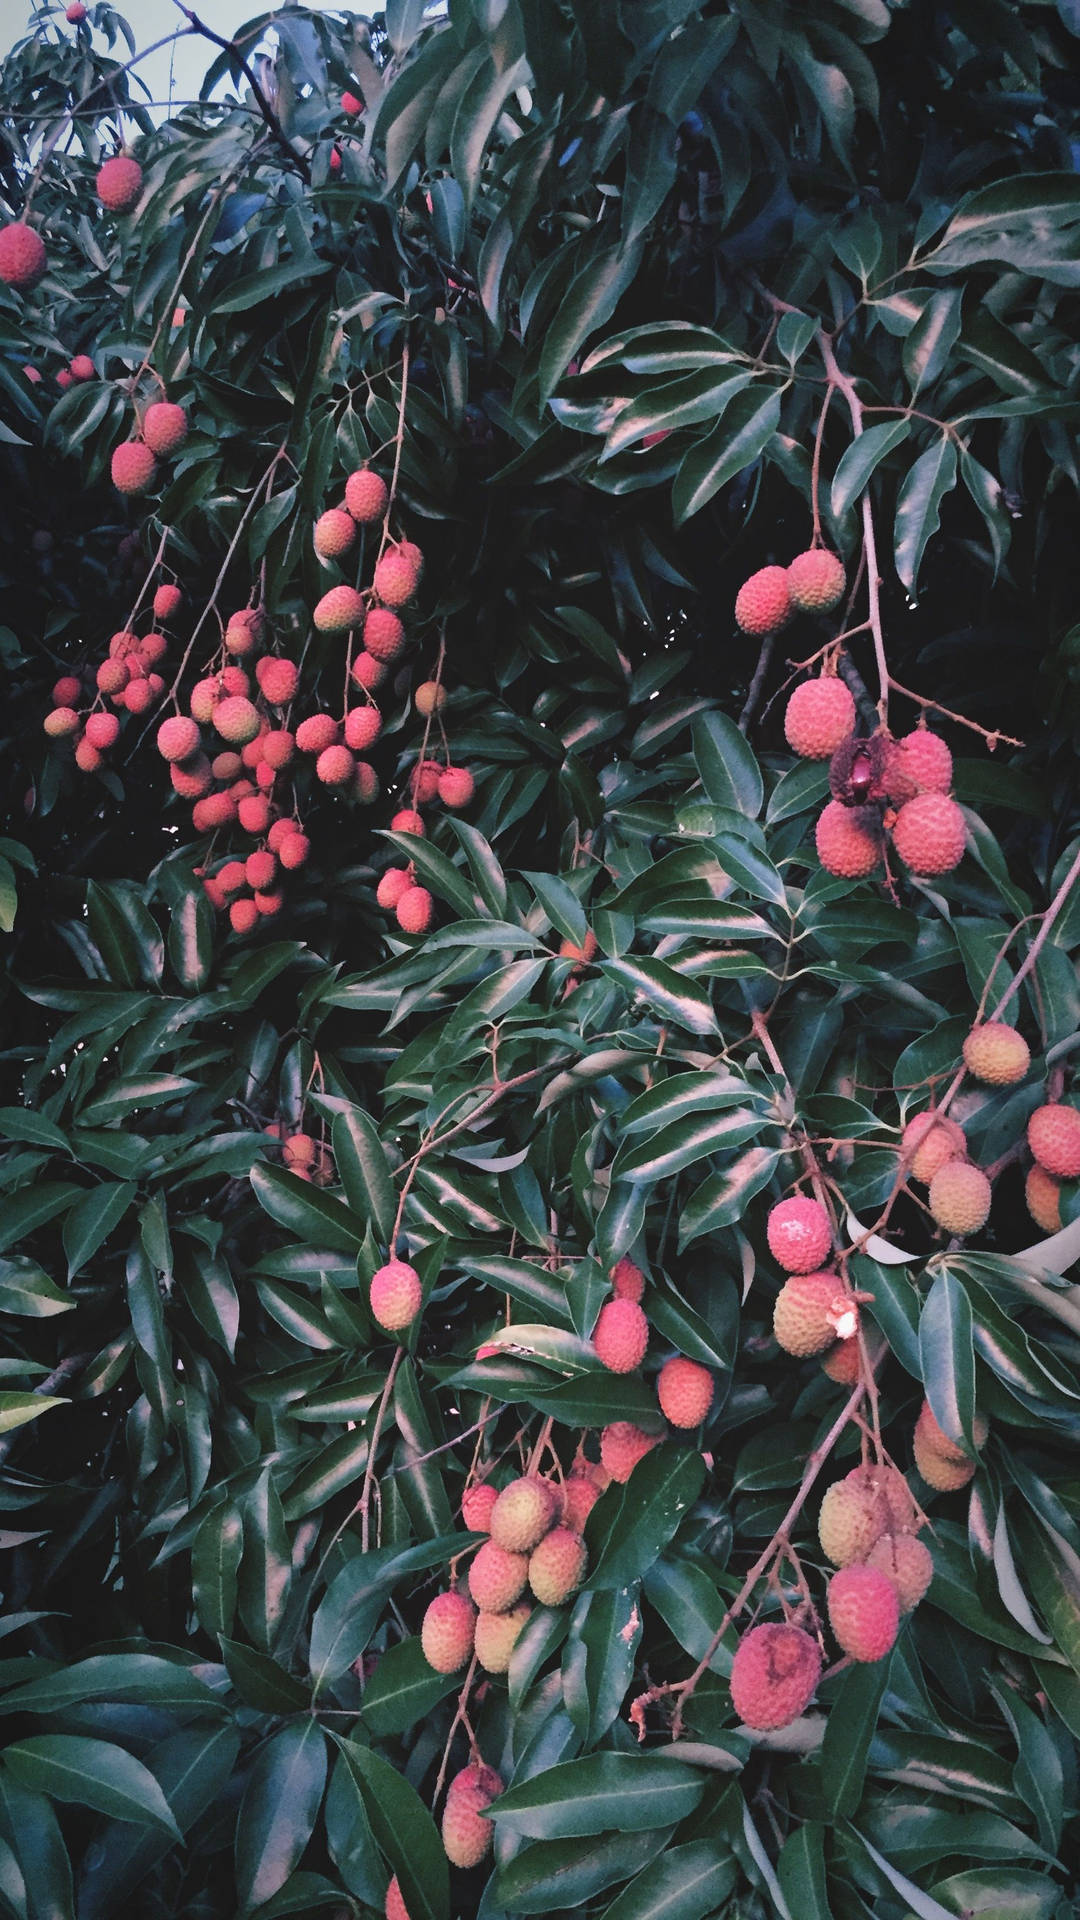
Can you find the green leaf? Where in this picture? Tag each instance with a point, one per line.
(729, 771)
(724, 1197)
(361, 1161)
(685, 1141)
(278, 1811)
(624, 1791)
(598, 1660)
(91, 1220)
(684, 1884)
(800, 1870)
(261, 1682)
(215, 1559)
(1029, 221)
(313, 1216)
(589, 300)
(16, 1409)
(404, 1689)
(849, 1730)
(33, 1207)
(742, 436)
(404, 1830)
(32, 1831)
(627, 1531)
(90, 1773)
(19, 1123)
(947, 1354)
(142, 1678)
(918, 506)
(254, 289)
(25, 1289)
(666, 992)
(266, 1563)
(553, 1875)
(859, 461)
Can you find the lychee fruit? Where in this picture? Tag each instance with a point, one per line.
(243, 915)
(217, 810)
(391, 887)
(278, 748)
(816, 581)
(205, 695)
(230, 878)
(87, 757)
(919, 763)
(244, 631)
(930, 834)
(65, 377)
(396, 1292)
(477, 1506)
(456, 787)
(236, 719)
(111, 676)
(523, 1512)
(363, 726)
(267, 904)
(75, 14)
(864, 1611)
(334, 766)
(774, 1676)
(819, 717)
(178, 738)
(164, 427)
(429, 698)
(102, 730)
(932, 1435)
(335, 531)
(497, 1577)
(425, 781)
(627, 1279)
(685, 1391)
(848, 840)
(317, 732)
(446, 1633)
(293, 851)
(133, 467)
(996, 1054)
(799, 1234)
(945, 1476)
(395, 580)
(119, 183)
(848, 1523)
(253, 812)
(82, 367)
(1043, 1196)
(928, 1141)
(622, 1445)
(67, 690)
(394, 1907)
(278, 679)
(23, 259)
(384, 635)
(620, 1336)
(366, 495)
(260, 869)
(152, 648)
(497, 1635)
(763, 603)
(960, 1197)
(1053, 1134)
(351, 106)
(809, 1308)
(842, 1361)
(466, 1832)
(557, 1566)
(235, 680)
(580, 1495)
(339, 610)
(887, 1495)
(368, 672)
(907, 1563)
(60, 722)
(415, 910)
(408, 821)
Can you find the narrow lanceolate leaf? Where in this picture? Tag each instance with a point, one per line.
(947, 1353)
(278, 1811)
(859, 461)
(684, 1141)
(626, 1538)
(361, 1161)
(90, 1773)
(746, 428)
(605, 1790)
(918, 506)
(666, 992)
(686, 1883)
(729, 770)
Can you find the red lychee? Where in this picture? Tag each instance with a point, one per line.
(244, 631)
(848, 840)
(408, 821)
(217, 810)
(317, 732)
(466, 1832)
(61, 722)
(119, 183)
(243, 915)
(763, 603)
(819, 716)
(278, 748)
(620, 1336)
(75, 13)
(278, 679)
(1053, 1134)
(415, 910)
(685, 1391)
(334, 766)
(622, 1445)
(477, 1505)
(133, 467)
(774, 1676)
(522, 1514)
(919, 763)
(907, 1563)
(177, 739)
(82, 368)
(456, 787)
(193, 779)
(497, 1577)
(368, 672)
(363, 726)
(391, 887)
(259, 870)
(851, 1519)
(446, 1633)
(394, 1907)
(87, 757)
(236, 719)
(395, 581)
(351, 106)
(23, 259)
(396, 1293)
(67, 690)
(366, 495)
(384, 635)
(864, 1611)
(111, 676)
(293, 851)
(930, 834)
(557, 1566)
(996, 1054)
(580, 1495)
(164, 427)
(842, 1361)
(103, 731)
(627, 1280)
(1043, 1196)
(799, 1234)
(816, 581)
(339, 610)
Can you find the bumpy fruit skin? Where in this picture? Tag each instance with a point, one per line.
(1043, 1196)
(523, 1512)
(848, 840)
(87, 757)
(627, 1280)
(842, 1361)
(165, 426)
(960, 1197)
(391, 887)
(429, 698)
(928, 1141)
(339, 610)
(363, 726)
(168, 601)
(236, 719)
(278, 679)
(317, 732)
(1053, 1134)
(557, 1566)
(806, 1312)
(23, 259)
(466, 1833)
(919, 763)
(580, 1495)
(335, 531)
(366, 495)
(685, 1391)
(497, 1635)
(946, 1476)
(887, 1496)
(384, 635)
(763, 603)
(620, 1336)
(456, 787)
(335, 766)
(395, 1294)
(996, 1054)
(930, 834)
(799, 1234)
(394, 1907)
(928, 1430)
(816, 580)
(368, 672)
(395, 580)
(425, 782)
(408, 821)
(848, 1524)
(133, 467)
(622, 1445)
(102, 730)
(415, 910)
(243, 915)
(119, 183)
(774, 1676)
(497, 1578)
(60, 722)
(67, 690)
(178, 739)
(477, 1506)
(259, 870)
(278, 748)
(446, 1633)
(864, 1611)
(82, 367)
(819, 717)
(907, 1563)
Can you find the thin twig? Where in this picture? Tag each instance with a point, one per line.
(839, 378)
(273, 124)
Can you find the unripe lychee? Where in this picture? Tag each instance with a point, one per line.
(919, 763)
(103, 731)
(384, 635)
(627, 1279)
(497, 1577)
(243, 915)
(809, 1308)
(930, 834)
(907, 1563)
(408, 821)
(394, 1907)
(396, 1292)
(368, 672)
(67, 690)
(620, 1336)
(335, 531)
(996, 1054)
(557, 1566)
(391, 887)
(685, 1391)
(278, 747)
(366, 495)
(1053, 1134)
(178, 738)
(60, 722)
(339, 610)
(497, 1635)
(928, 1141)
(960, 1197)
(82, 367)
(848, 1524)
(580, 1495)
(816, 581)
(842, 1361)
(799, 1234)
(946, 1476)
(119, 183)
(523, 1513)
(236, 719)
(1043, 1196)
(317, 733)
(887, 1495)
(415, 910)
(477, 1506)
(774, 1676)
(165, 426)
(87, 757)
(244, 632)
(351, 106)
(22, 256)
(848, 840)
(429, 698)
(456, 787)
(133, 467)
(293, 851)
(446, 1634)
(259, 870)
(334, 766)
(395, 580)
(819, 716)
(933, 1436)
(363, 726)
(205, 695)
(864, 1611)
(466, 1832)
(278, 679)
(622, 1445)
(763, 603)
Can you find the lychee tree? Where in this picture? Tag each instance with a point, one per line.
(542, 1185)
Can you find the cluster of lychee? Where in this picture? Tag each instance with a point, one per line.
(305, 1155)
(23, 259)
(128, 680)
(161, 429)
(815, 1310)
(813, 583)
(684, 1388)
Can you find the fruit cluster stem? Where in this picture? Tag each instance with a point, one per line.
(838, 378)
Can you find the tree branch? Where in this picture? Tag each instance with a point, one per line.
(274, 125)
